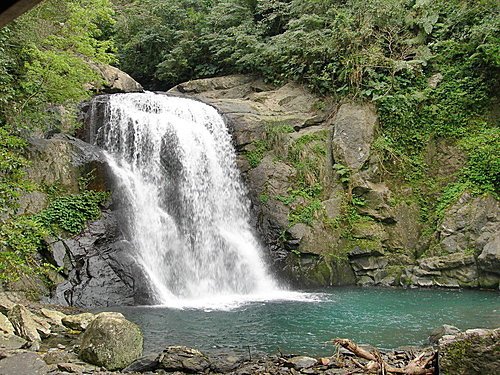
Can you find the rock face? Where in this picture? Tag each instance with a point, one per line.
(326, 207)
(111, 341)
(100, 267)
(474, 352)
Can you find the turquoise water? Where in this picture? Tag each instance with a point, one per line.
(386, 318)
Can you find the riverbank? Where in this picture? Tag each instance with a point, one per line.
(50, 339)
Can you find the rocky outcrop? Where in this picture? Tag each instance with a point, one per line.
(111, 341)
(473, 352)
(362, 225)
(114, 80)
(99, 266)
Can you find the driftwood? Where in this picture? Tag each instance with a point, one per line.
(417, 366)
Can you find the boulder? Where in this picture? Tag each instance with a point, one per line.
(354, 129)
(302, 362)
(24, 324)
(6, 325)
(11, 342)
(182, 358)
(473, 352)
(78, 322)
(55, 317)
(143, 364)
(111, 341)
(441, 331)
(115, 80)
(489, 259)
(23, 363)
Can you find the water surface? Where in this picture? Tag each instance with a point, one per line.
(386, 318)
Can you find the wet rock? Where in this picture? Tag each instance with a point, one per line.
(354, 128)
(102, 271)
(78, 322)
(441, 331)
(182, 358)
(11, 341)
(6, 325)
(474, 352)
(111, 341)
(302, 362)
(23, 363)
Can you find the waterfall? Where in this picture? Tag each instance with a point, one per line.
(187, 215)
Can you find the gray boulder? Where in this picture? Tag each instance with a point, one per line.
(115, 80)
(441, 331)
(111, 341)
(182, 358)
(302, 362)
(11, 341)
(23, 363)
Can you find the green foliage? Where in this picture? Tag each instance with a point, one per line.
(46, 60)
(70, 213)
(255, 155)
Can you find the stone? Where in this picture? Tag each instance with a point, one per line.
(225, 363)
(354, 128)
(11, 341)
(23, 363)
(474, 352)
(55, 317)
(78, 322)
(182, 358)
(7, 301)
(24, 324)
(115, 80)
(302, 362)
(143, 364)
(441, 331)
(111, 341)
(6, 325)
(72, 368)
(489, 259)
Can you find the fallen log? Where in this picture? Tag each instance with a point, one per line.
(417, 366)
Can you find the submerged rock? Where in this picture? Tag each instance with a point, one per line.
(111, 341)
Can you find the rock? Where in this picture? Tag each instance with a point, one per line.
(182, 358)
(102, 269)
(72, 368)
(143, 364)
(55, 356)
(23, 363)
(302, 362)
(225, 363)
(11, 341)
(6, 325)
(115, 80)
(24, 324)
(354, 128)
(55, 317)
(441, 331)
(111, 341)
(7, 301)
(489, 259)
(474, 352)
(78, 322)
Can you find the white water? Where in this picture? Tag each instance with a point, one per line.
(187, 213)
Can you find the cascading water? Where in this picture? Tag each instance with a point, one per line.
(187, 214)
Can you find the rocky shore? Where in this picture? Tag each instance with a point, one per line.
(51, 339)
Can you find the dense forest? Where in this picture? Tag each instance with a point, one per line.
(431, 67)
